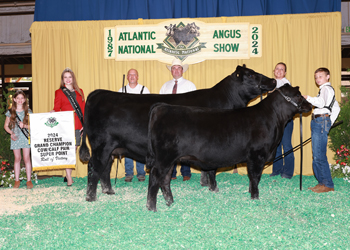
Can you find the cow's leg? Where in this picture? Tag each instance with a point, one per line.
(254, 174)
(204, 178)
(167, 194)
(153, 188)
(106, 178)
(96, 167)
(212, 181)
(93, 178)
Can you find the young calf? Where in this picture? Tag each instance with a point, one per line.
(215, 138)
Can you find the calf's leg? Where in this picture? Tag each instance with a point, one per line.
(167, 194)
(153, 188)
(254, 174)
(93, 178)
(212, 181)
(204, 179)
(106, 178)
(96, 168)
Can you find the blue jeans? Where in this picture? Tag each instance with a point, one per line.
(185, 171)
(285, 166)
(129, 168)
(319, 135)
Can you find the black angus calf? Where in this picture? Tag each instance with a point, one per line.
(214, 138)
(116, 123)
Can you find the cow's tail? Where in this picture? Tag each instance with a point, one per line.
(84, 152)
(150, 158)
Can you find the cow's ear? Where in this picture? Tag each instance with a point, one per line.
(238, 71)
(244, 66)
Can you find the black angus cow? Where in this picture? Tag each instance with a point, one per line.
(215, 138)
(116, 123)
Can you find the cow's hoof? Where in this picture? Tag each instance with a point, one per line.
(88, 198)
(169, 203)
(215, 190)
(108, 191)
(150, 208)
(204, 184)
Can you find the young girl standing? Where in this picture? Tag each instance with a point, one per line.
(19, 141)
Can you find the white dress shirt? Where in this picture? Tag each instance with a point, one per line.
(324, 99)
(281, 82)
(183, 86)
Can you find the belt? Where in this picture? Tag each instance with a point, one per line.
(321, 115)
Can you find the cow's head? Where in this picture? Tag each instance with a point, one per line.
(294, 97)
(255, 83)
(170, 29)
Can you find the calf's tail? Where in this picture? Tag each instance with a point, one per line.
(84, 152)
(150, 158)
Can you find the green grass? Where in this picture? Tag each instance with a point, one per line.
(58, 217)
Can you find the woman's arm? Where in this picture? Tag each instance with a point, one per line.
(58, 100)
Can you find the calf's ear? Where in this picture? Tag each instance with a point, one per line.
(244, 66)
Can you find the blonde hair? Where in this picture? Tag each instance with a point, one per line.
(13, 109)
(75, 84)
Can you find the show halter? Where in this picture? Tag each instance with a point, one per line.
(288, 99)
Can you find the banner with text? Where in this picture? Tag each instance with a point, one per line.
(52, 140)
(185, 39)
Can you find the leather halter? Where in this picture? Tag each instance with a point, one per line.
(288, 99)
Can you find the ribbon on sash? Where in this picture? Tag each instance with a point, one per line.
(24, 130)
(74, 104)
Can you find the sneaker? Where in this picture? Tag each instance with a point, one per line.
(128, 178)
(141, 178)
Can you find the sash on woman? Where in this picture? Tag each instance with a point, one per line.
(74, 103)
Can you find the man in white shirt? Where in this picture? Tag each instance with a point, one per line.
(183, 85)
(133, 87)
(178, 85)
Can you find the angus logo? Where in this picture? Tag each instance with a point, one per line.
(181, 40)
(51, 122)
